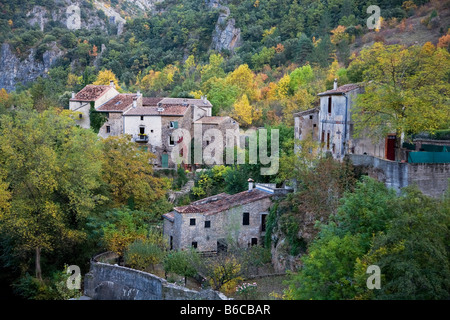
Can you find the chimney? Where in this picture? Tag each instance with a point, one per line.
(111, 83)
(73, 95)
(335, 84)
(134, 102)
(250, 184)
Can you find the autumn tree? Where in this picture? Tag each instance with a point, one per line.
(52, 171)
(243, 79)
(244, 112)
(105, 76)
(406, 90)
(128, 173)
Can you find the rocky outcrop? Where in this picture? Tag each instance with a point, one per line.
(225, 36)
(14, 70)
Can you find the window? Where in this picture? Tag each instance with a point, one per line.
(328, 141)
(192, 222)
(141, 130)
(108, 129)
(263, 222)
(310, 117)
(80, 116)
(246, 219)
(194, 244)
(142, 117)
(207, 224)
(174, 124)
(151, 131)
(254, 241)
(329, 104)
(171, 141)
(322, 139)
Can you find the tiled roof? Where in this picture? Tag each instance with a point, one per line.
(222, 202)
(91, 93)
(212, 120)
(150, 101)
(167, 110)
(306, 112)
(185, 101)
(119, 103)
(342, 89)
(169, 216)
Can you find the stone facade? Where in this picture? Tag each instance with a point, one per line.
(112, 282)
(331, 124)
(430, 178)
(210, 224)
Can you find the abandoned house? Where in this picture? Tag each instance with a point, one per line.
(149, 121)
(211, 223)
(331, 124)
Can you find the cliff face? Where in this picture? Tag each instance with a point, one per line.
(225, 36)
(14, 70)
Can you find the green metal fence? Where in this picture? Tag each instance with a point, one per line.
(429, 157)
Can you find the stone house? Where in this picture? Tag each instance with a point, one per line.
(222, 124)
(211, 223)
(91, 94)
(149, 121)
(331, 124)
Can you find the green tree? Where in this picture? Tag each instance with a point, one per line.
(128, 174)
(181, 263)
(413, 254)
(53, 170)
(406, 91)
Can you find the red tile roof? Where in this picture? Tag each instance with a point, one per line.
(150, 101)
(91, 93)
(169, 216)
(186, 101)
(212, 120)
(222, 202)
(342, 89)
(119, 103)
(167, 110)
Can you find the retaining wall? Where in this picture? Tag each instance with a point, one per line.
(112, 282)
(431, 178)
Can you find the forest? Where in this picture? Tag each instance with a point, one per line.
(66, 195)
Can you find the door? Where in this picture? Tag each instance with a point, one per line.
(390, 147)
(165, 160)
(222, 246)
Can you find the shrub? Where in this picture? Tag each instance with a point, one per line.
(141, 255)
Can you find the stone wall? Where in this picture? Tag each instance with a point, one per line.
(430, 178)
(112, 282)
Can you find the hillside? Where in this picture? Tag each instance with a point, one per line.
(190, 48)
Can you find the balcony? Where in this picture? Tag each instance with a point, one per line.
(142, 138)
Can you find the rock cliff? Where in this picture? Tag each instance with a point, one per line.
(225, 36)
(13, 70)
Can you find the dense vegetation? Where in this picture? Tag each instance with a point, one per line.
(65, 195)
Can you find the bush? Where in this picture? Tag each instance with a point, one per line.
(141, 255)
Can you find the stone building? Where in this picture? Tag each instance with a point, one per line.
(211, 223)
(90, 95)
(331, 124)
(149, 121)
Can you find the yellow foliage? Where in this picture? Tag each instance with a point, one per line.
(283, 87)
(196, 94)
(3, 95)
(243, 111)
(338, 34)
(105, 76)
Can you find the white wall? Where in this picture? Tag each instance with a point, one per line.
(132, 124)
(83, 107)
